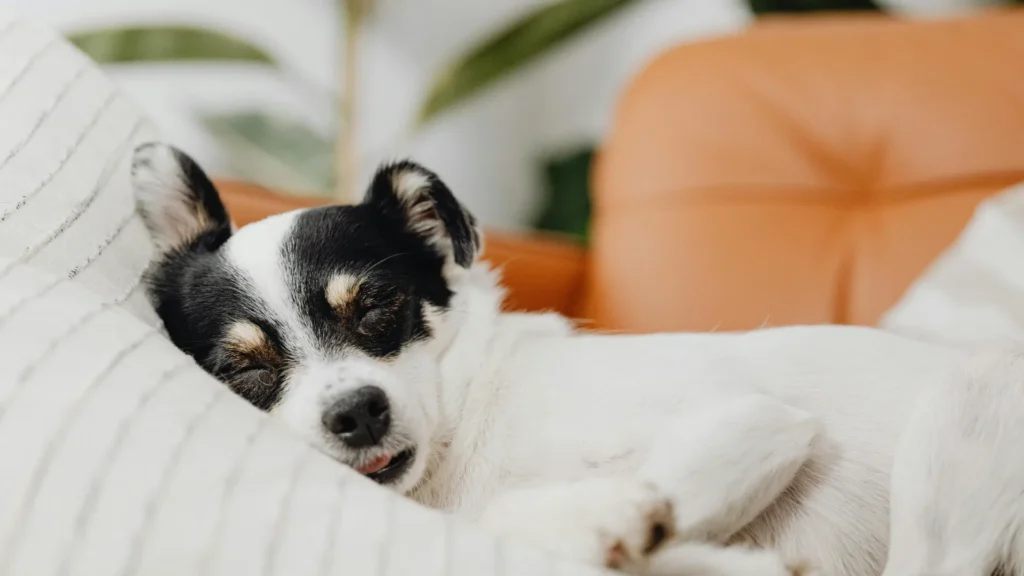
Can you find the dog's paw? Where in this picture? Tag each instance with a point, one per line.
(633, 519)
(616, 523)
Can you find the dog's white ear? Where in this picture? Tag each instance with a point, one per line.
(177, 201)
(427, 208)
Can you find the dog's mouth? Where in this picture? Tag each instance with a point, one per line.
(387, 468)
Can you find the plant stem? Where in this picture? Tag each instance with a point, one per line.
(346, 167)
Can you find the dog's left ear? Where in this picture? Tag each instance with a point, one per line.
(178, 203)
(427, 208)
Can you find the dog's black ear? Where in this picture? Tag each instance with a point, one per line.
(428, 208)
(177, 201)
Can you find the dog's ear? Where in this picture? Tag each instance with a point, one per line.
(426, 207)
(177, 201)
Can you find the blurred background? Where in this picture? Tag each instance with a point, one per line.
(506, 99)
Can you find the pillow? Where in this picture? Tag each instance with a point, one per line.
(65, 148)
(974, 291)
(120, 455)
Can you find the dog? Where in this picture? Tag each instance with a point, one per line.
(376, 333)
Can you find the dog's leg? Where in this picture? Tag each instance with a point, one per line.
(611, 522)
(723, 465)
(622, 536)
(706, 477)
(957, 497)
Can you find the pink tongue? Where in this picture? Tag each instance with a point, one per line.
(375, 465)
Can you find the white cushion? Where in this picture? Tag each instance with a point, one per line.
(119, 455)
(974, 291)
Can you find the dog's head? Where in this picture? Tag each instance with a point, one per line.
(332, 319)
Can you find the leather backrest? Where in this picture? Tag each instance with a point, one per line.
(805, 171)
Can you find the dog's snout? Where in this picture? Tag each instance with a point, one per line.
(360, 418)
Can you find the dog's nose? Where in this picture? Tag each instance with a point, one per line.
(360, 418)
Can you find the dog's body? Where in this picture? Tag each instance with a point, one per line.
(373, 331)
(551, 405)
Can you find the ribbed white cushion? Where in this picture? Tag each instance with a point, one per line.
(118, 455)
(974, 291)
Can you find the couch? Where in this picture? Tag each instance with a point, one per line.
(806, 171)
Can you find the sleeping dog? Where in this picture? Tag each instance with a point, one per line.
(374, 331)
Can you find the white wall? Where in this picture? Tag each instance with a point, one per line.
(486, 150)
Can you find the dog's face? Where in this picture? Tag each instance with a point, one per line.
(332, 319)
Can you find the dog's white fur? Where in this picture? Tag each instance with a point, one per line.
(793, 440)
(788, 438)
(782, 438)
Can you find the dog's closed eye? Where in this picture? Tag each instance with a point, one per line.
(378, 310)
(371, 319)
(259, 385)
(261, 377)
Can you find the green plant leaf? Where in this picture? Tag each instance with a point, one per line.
(275, 151)
(165, 44)
(509, 50)
(773, 6)
(566, 206)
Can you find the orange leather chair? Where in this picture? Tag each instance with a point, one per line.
(804, 171)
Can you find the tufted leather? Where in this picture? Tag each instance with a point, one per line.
(805, 171)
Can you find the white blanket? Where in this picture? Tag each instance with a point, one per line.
(974, 291)
(118, 455)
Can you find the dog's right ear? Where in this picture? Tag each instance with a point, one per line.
(177, 201)
(426, 207)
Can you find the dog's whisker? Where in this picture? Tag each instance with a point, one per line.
(383, 260)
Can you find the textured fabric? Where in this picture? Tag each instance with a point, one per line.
(805, 171)
(975, 290)
(118, 455)
(65, 145)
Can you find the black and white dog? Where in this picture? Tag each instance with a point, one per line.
(374, 332)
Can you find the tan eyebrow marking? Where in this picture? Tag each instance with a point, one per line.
(245, 337)
(341, 290)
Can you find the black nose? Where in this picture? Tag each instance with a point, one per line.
(360, 418)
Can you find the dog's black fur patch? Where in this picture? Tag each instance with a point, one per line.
(397, 271)
(198, 298)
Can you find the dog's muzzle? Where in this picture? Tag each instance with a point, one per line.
(360, 419)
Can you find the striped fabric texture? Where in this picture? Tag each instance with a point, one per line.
(118, 455)
(974, 291)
